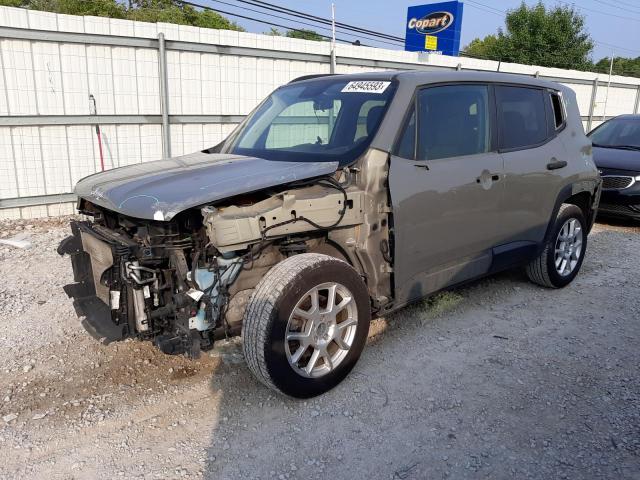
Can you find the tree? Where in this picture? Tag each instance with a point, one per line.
(621, 66)
(273, 32)
(99, 8)
(169, 11)
(305, 35)
(537, 36)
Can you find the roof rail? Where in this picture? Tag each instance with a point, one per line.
(309, 77)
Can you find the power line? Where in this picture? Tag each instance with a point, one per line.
(633, 19)
(618, 6)
(259, 20)
(326, 21)
(298, 21)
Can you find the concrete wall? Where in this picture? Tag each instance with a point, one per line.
(51, 79)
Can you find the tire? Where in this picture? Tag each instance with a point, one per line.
(269, 319)
(544, 270)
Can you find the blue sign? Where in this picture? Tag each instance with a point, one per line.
(434, 28)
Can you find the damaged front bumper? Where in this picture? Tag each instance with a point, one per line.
(92, 254)
(125, 289)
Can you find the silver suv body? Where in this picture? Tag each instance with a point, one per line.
(338, 199)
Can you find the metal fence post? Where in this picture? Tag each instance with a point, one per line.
(592, 105)
(164, 97)
(636, 107)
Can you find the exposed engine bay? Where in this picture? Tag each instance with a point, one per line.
(184, 283)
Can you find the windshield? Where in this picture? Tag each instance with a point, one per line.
(618, 132)
(327, 119)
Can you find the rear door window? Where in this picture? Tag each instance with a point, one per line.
(453, 121)
(521, 116)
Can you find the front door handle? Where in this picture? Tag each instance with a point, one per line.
(555, 164)
(421, 165)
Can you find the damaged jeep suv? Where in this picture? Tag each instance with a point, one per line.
(339, 198)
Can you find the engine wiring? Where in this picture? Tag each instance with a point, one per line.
(329, 181)
(247, 260)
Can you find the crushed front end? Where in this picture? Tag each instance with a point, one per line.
(157, 281)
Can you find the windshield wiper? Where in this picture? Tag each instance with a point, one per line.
(619, 147)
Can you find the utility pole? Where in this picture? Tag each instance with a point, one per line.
(606, 95)
(333, 39)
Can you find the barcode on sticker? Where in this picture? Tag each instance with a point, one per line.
(365, 86)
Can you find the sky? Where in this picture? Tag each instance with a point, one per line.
(614, 25)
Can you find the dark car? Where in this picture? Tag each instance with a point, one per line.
(616, 152)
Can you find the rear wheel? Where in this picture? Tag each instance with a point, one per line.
(306, 324)
(562, 257)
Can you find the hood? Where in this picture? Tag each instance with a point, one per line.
(616, 158)
(160, 190)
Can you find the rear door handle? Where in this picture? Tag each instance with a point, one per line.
(555, 164)
(494, 177)
(421, 165)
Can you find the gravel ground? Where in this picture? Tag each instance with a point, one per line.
(499, 379)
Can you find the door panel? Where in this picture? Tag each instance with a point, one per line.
(534, 165)
(531, 189)
(447, 191)
(446, 218)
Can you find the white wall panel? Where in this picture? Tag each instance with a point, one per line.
(150, 142)
(57, 209)
(621, 100)
(147, 81)
(8, 168)
(210, 80)
(48, 78)
(129, 144)
(192, 140)
(177, 145)
(81, 141)
(18, 74)
(110, 140)
(100, 78)
(125, 89)
(190, 83)
(583, 96)
(121, 27)
(229, 87)
(10, 214)
(97, 25)
(248, 89)
(30, 170)
(55, 159)
(174, 76)
(145, 30)
(42, 20)
(70, 23)
(14, 17)
(74, 79)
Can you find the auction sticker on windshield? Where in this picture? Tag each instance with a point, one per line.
(367, 86)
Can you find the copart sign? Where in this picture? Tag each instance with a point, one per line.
(434, 28)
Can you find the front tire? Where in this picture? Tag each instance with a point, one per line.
(562, 257)
(306, 325)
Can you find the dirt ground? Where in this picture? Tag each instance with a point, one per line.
(498, 379)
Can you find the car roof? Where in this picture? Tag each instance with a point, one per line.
(421, 77)
(627, 116)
